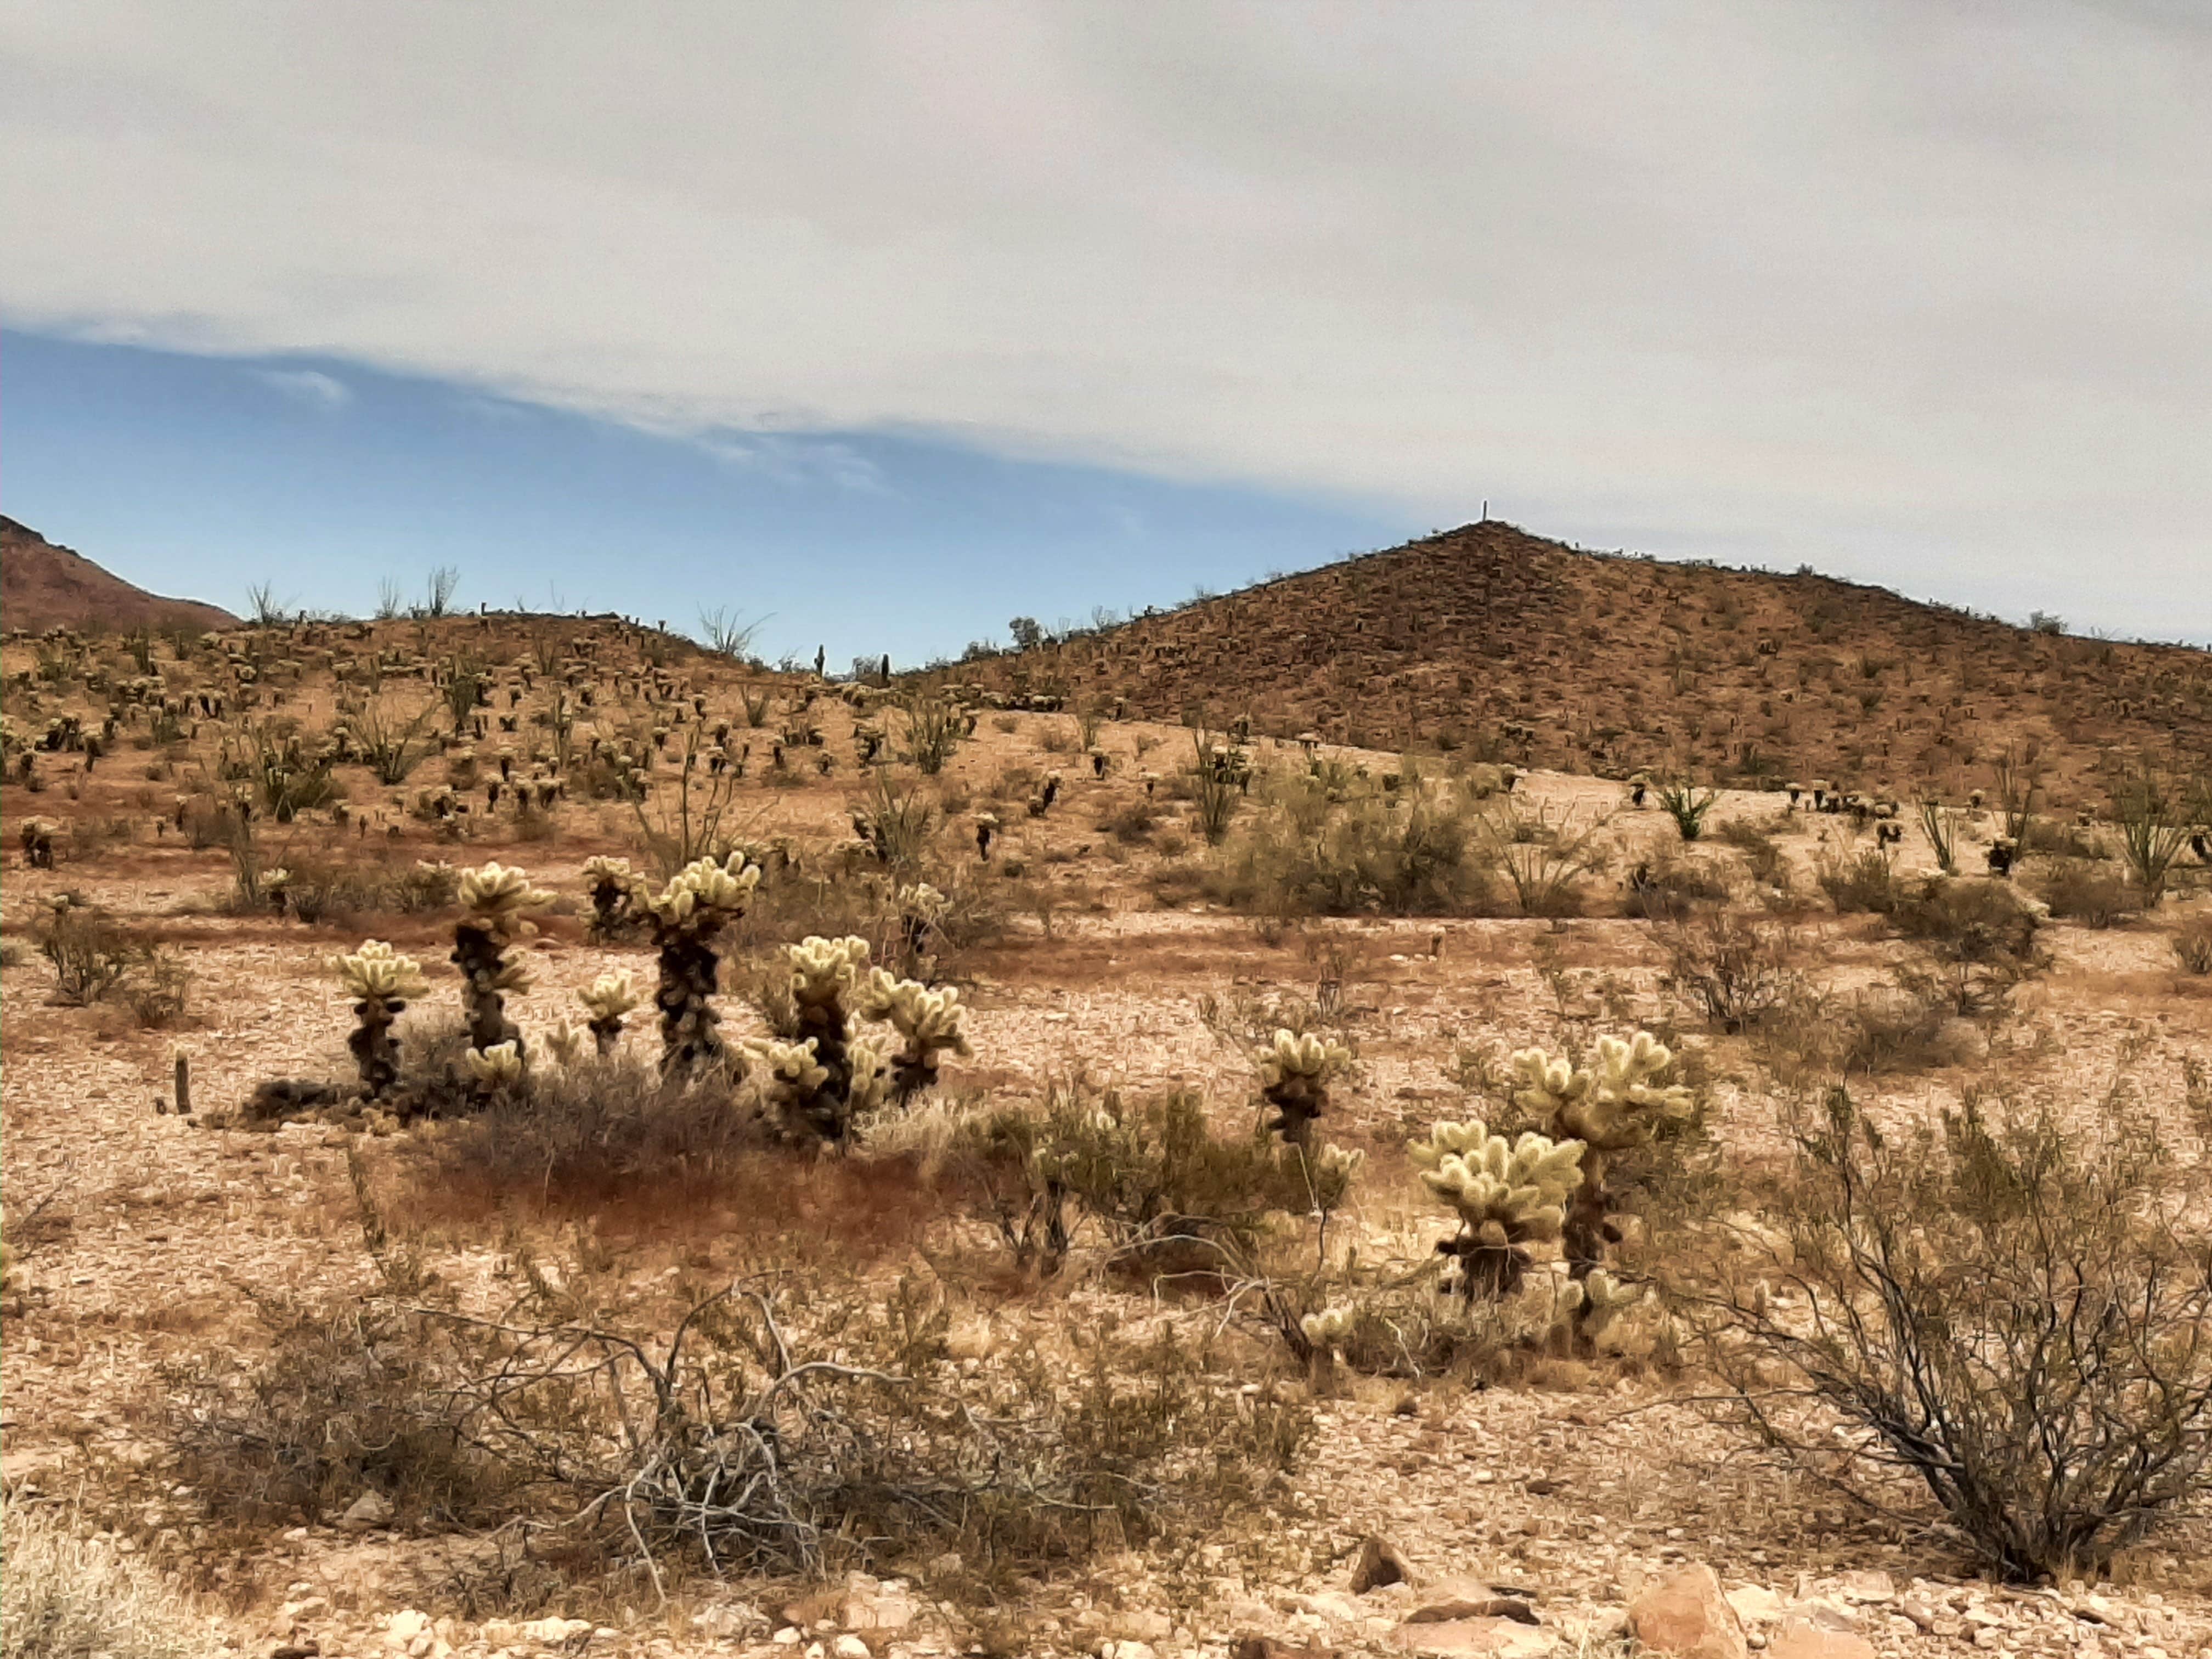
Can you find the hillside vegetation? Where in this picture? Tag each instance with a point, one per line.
(1513, 647)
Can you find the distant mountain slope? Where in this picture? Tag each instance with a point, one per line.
(42, 586)
(1489, 640)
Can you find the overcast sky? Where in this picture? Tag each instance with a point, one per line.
(1918, 293)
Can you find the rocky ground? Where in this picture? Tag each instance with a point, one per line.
(1581, 1508)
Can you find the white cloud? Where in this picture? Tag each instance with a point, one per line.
(307, 386)
(795, 461)
(1912, 289)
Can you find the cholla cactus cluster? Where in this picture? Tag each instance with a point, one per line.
(1295, 1073)
(610, 998)
(832, 1074)
(687, 917)
(497, 1069)
(927, 1021)
(1507, 1196)
(379, 981)
(612, 885)
(496, 905)
(1610, 1107)
(922, 908)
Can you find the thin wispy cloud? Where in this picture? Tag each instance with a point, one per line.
(795, 461)
(310, 386)
(1907, 288)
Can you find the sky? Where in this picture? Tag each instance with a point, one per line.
(887, 322)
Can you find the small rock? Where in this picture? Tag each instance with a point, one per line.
(1684, 1613)
(1866, 1587)
(553, 1632)
(1755, 1604)
(369, 1511)
(849, 1647)
(1799, 1640)
(1446, 1609)
(1501, 1638)
(1918, 1612)
(1379, 1564)
(1265, 1647)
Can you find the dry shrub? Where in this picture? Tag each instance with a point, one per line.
(92, 956)
(346, 1398)
(1864, 881)
(1733, 972)
(1304, 854)
(2002, 1318)
(2094, 895)
(794, 1422)
(75, 1598)
(2192, 945)
(1668, 889)
(1874, 1031)
(598, 1132)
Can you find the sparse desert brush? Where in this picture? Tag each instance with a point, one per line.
(1863, 880)
(1300, 853)
(1998, 1315)
(1735, 973)
(1664, 889)
(2095, 895)
(796, 1422)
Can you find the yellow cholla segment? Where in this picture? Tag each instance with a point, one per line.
(790, 1066)
(499, 894)
(1308, 1056)
(705, 884)
(928, 1019)
(610, 996)
(1518, 1190)
(1613, 1106)
(600, 868)
(823, 968)
(377, 972)
(922, 900)
(501, 1063)
(1326, 1329)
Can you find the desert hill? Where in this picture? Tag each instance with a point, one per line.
(1487, 639)
(44, 586)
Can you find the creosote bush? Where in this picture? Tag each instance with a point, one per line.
(2005, 1318)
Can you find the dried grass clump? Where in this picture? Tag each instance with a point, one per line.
(76, 1598)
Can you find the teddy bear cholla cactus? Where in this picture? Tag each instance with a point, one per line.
(687, 917)
(1295, 1073)
(496, 904)
(498, 1067)
(612, 885)
(610, 997)
(379, 981)
(928, 1020)
(1610, 1107)
(1507, 1196)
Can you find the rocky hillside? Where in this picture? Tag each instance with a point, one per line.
(42, 586)
(1487, 640)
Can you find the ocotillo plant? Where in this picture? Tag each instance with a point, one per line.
(1506, 1196)
(496, 904)
(379, 981)
(687, 917)
(1610, 1109)
(1295, 1073)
